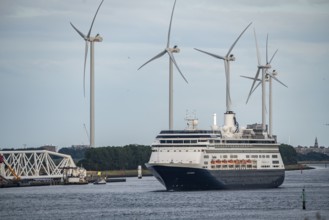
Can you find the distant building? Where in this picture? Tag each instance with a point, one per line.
(48, 147)
(81, 146)
(315, 148)
(316, 145)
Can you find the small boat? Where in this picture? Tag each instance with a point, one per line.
(115, 180)
(100, 181)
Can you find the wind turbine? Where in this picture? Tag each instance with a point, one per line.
(172, 61)
(91, 40)
(266, 77)
(264, 68)
(227, 58)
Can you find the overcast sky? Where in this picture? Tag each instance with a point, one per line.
(41, 68)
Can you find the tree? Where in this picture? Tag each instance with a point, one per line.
(288, 154)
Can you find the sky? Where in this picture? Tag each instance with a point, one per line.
(41, 68)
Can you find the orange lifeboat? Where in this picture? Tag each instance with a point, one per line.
(212, 162)
(218, 161)
(230, 161)
(224, 161)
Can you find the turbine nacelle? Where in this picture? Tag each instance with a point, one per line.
(97, 38)
(175, 49)
(231, 58)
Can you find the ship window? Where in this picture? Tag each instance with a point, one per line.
(206, 162)
(249, 166)
(224, 156)
(275, 162)
(275, 156)
(267, 156)
(275, 166)
(217, 166)
(231, 166)
(212, 166)
(247, 156)
(254, 156)
(206, 156)
(224, 166)
(233, 156)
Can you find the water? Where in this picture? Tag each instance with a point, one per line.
(146, 199)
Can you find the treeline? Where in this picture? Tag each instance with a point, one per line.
(130, 156)
(288, 154)
(313, 156)
(77, 153)
(116, 158)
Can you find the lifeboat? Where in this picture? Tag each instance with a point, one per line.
(236, 161)
(224, 161)
(212, 162)
(230, 161)
(218, 161)
(248, 161)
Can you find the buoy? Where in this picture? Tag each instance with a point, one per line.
(139, 171)
(304, 199)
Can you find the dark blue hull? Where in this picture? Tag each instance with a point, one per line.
(183, 178)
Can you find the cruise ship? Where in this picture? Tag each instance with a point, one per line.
(227, 157)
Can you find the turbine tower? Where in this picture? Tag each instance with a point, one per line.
(172, 61)
(91, 40)
(227, 58)
(270, 77)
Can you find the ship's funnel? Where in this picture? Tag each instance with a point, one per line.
(229, 124)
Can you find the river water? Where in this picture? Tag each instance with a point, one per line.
(146, 199)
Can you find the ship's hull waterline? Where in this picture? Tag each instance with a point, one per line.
(185, 178)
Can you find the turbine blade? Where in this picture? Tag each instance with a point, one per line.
(229, 51)
(157, 56)
(172, 58)
(258, 84)
(248, 77)
(257, 49)
(211, 54)
(92, 23)
(84, 70)
(79, 32)
(172, 14)
(273, 56)
(253, 84)
(279, 81)
(267, 48)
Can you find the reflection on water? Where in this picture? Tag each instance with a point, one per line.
(147, 199)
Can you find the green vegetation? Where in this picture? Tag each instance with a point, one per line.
(116, 158)
(77, 153)
(130, 156)
(313, 156)
(288, 154)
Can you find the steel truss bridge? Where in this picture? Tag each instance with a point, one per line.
(36, 164)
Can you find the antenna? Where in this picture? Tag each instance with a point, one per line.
(172, 61)
(91, 40)
(227, 58)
